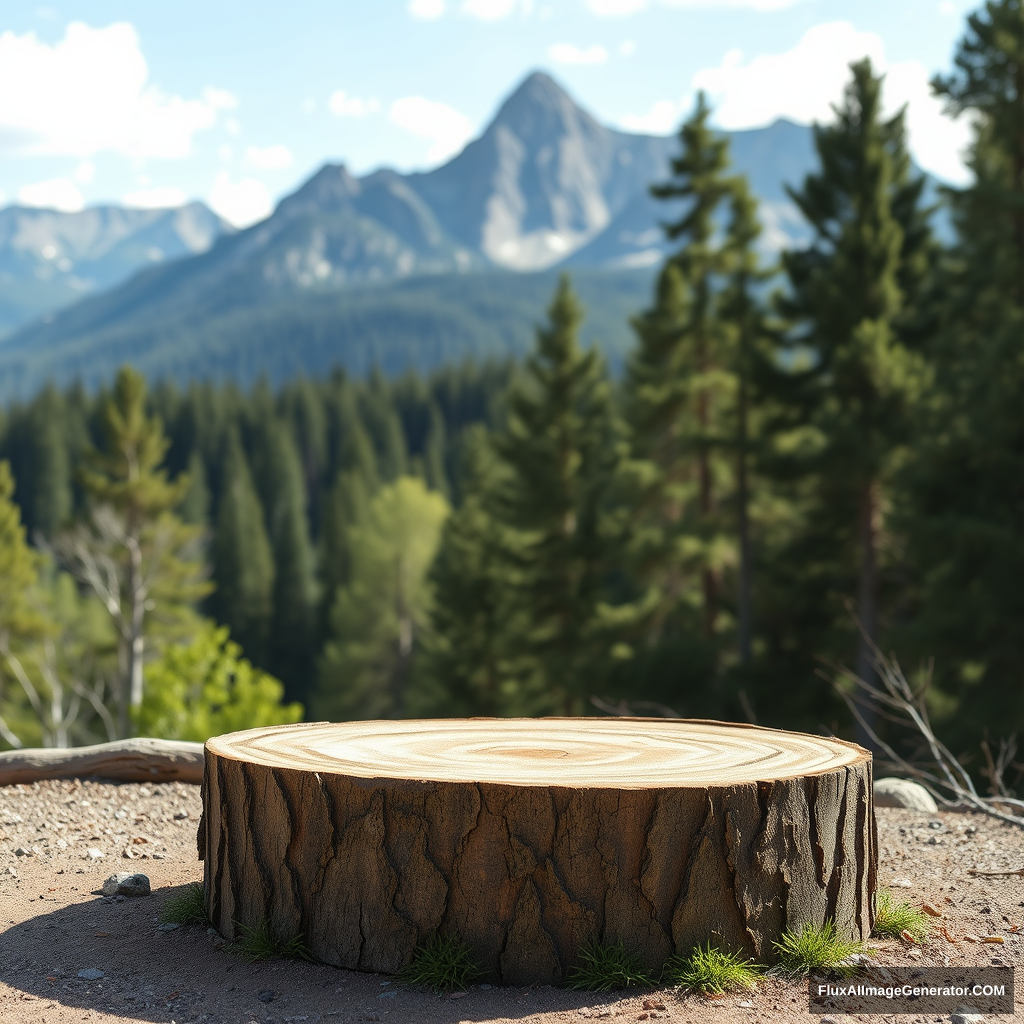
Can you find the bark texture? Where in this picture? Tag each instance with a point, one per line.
(367, 867)
(137, 760)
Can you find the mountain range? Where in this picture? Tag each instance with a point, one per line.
(391, 269)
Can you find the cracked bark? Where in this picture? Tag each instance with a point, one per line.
(365, 869)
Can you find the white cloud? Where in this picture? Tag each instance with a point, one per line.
(88, 93)
(342, 105)
(447, 129)
(241, 202)
(567, 53)
(268, 158)
(155, 198)
(623, 8)
(661, 119)
(427, 10)
(495, 10)
(55, 194)
(627, 47)
(802, 84)
(616, 8)
(85, 172)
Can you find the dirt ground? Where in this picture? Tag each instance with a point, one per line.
(59, 840)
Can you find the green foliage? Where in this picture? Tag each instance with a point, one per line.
(376, 619)
(19, 565)
(892, 919)
(812, 949)
(261, 942)
(712, 970)
(206, 687)
(188, 907)
(608, 965)
(443, 964)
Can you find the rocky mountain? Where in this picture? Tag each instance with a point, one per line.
(50, 259)
(545, 186)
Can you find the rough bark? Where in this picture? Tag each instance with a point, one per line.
(529, 838)
(138, 760)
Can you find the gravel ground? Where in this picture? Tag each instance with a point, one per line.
(59, 840)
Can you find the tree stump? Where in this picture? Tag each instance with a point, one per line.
(529, 838)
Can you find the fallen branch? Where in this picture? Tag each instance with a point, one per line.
(894, 699)
(135, 760)
(995, 874)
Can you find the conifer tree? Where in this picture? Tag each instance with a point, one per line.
(849, 290)
(965, 533)
(243, 564)
(681, 392)
(49, 503)
(134, 552)
(195, 505)
(294, 594)
(559, 453)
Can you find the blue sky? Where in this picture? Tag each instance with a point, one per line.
(236, 102)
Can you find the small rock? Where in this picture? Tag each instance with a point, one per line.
(391, 993)
(91, 974)
(748, 1004)
(93, 854)
(11, 871)
(126, 883)
(902, 883)
(930, 910)
(180, 815)
(168, 926)
(22, 852)
(267, 995)
(903, 793)
(966, 1015)
(485, 987)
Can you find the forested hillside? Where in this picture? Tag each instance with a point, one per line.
(796, 465)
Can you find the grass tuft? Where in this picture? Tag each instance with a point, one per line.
(188, 907)
(443, 964)
(814, 949)
(259, 942)
(608, 965)
(711, 970)
(892, 919)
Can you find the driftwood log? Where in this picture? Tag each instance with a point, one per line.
(137, 760)
(529, 838)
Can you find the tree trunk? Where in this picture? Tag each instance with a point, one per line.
(529, 838)
(867, 599)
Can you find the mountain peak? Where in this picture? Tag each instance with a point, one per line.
(539, 106)
(333, 186)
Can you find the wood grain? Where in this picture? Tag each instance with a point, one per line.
(531, 837)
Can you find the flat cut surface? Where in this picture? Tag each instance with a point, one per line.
(630, 753)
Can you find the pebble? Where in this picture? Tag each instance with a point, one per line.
(126, 883)
(91, 974)
(168, 926)
(966, 1015)
(180, 815)
(902, 883)
(22, 852)
(267, 995)
(93, 854)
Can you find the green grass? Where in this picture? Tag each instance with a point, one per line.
(443, 964)
(814, 949)
(709, 969)
(608, 965)
(259, 942)
(188, 907)
(892, 919)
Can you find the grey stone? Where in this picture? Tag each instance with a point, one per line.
(91, 974)
(903, 793)
(22, 852)
(168, 926)
(966, 1015)
(126, 883)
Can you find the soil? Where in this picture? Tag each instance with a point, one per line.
(74, 834)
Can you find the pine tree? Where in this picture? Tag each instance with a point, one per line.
(49, 500)
(965, 534)
(283, 492)
(134, 552)
(559, 452)
(243, 564)
(195, 505)
(465, 666)
(680, 393)
(850, 291)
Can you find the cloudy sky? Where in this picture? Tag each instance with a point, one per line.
(238, 101)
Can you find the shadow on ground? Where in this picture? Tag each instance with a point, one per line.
(186, 976)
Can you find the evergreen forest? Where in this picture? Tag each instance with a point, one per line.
(797, 464)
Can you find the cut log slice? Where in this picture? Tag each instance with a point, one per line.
(529, 838)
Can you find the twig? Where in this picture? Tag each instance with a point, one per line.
(995, 874)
